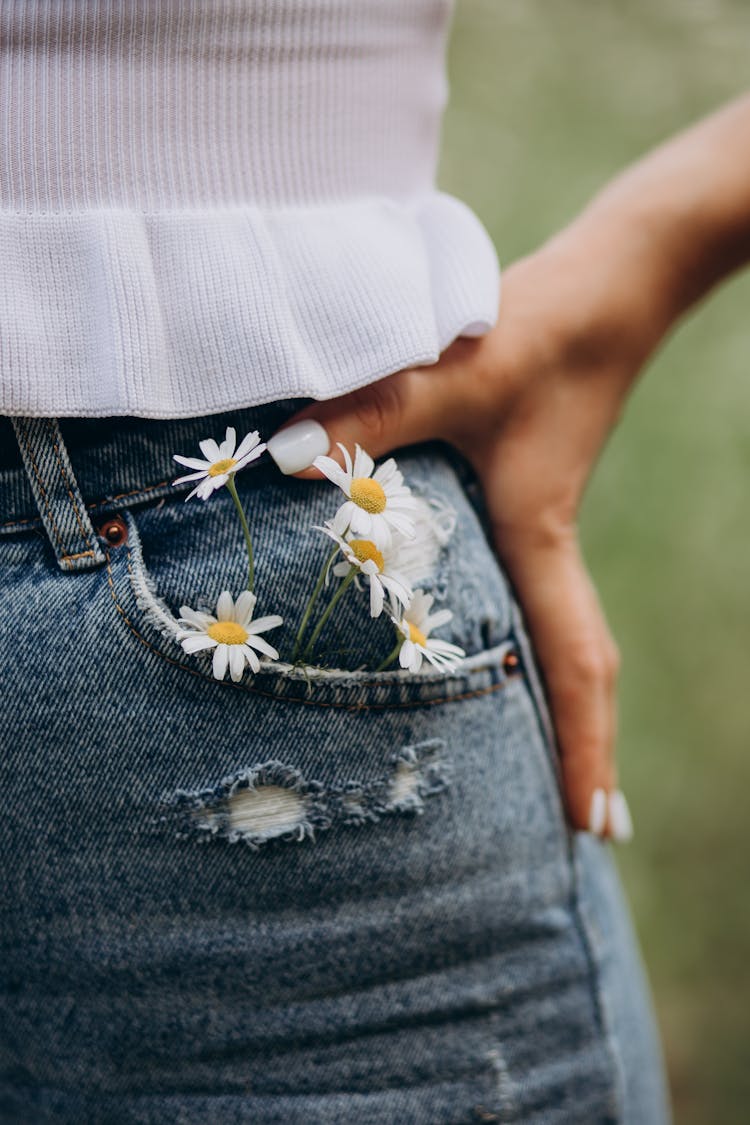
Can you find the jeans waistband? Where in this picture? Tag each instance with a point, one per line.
(63, 474)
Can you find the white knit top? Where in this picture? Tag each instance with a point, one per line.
(208, 204)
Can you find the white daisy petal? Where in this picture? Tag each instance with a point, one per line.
(190, 476)
(446, 647)
(226, 449)
(244, 606)
(192, 462)
(388, 473)
(263, 646)
(236, 662)
(251, 658)
(210, 450)
(342, 517)
(406, 654)
(248, 458)
(363, 463)
(380, 534)
(204, 489)
(247, 445)
(225, 606)
(263, 623)
(331, 469)
(402, 524)
(402, 500)
(361, 521)
(195, 618)
(421, 606)
(398, 589)
(221, 661)
(376, 597)
(347, 458)
(437, 620)
(197, 642)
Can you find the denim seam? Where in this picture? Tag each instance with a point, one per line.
(139, 490)
(575, 906)
(66, 481)
(595, 979)
(286, 699)
(27, 519)
(45, 498)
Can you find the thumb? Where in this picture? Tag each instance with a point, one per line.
(400, 409)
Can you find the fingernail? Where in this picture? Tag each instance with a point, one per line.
(619, 817)
(598, 812)
(296, 447)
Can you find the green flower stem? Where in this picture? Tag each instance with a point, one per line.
(327, 613)
(232, 487)
(391, 656)
(309, 607)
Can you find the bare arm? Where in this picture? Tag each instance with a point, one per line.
(531, 405)
(667, 229)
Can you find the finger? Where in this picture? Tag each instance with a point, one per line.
(566, 625)
(611, 658)
(406, 407)
(619, 825)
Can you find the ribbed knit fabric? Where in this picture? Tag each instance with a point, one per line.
(208, 204)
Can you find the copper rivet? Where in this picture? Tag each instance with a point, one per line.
(511, 661)
(115, 531)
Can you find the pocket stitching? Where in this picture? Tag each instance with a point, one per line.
(251, 689)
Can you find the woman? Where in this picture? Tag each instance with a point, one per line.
(288, 896)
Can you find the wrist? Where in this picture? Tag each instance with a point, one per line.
(613, 301)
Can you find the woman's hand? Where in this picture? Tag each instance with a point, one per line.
(530, 405)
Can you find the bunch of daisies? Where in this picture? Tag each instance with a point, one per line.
(386, 540)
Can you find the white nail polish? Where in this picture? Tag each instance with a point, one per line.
(619, 817)
(598, 812)
(296, 447)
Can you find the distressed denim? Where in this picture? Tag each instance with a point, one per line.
(350, 897)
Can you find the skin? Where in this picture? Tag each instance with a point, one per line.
(532, 403)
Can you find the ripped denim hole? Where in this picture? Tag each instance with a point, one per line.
(273, 800)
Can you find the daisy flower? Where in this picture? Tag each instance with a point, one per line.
(222, 461)
(415, 624)
(232, 634)
(434, 523)
(377, 502)
(380, 568)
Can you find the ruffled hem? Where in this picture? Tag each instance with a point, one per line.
(182, 313)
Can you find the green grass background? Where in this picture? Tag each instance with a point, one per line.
(549, 98)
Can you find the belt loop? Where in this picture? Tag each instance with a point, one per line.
(60, 504)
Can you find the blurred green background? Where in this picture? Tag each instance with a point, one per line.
(549, 98)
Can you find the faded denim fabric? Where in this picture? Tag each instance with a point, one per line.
(329, 899)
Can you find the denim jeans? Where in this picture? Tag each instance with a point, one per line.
(351, 897)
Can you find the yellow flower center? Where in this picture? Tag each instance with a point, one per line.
(227, 633)
(368, 494)
(416, 635)
(220, 467)
(365, 549)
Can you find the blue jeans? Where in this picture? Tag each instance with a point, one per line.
(351, 898)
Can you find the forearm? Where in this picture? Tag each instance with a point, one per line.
(671, 226)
